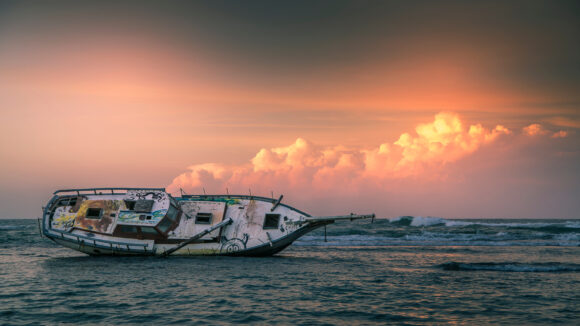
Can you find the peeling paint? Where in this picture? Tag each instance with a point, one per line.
(103, 224)
(63, 220)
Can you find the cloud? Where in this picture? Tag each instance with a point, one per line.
(535, 129)
(564, 122)
(560, 134)
(304, 168)
(444, 140)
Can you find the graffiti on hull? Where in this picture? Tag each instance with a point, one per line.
(63, 220)
(131, 217)
(143, 194)
(234, 244)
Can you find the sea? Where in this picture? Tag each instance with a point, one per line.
(399, 271)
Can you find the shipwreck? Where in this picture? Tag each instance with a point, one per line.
(149, 221)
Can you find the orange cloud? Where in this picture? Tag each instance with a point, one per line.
(305, 167)
(534, 129)
(564, 122)
(560, 134)
(444, 140)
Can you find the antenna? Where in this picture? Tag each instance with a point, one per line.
(203, 191)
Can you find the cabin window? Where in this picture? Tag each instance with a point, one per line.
(172, 213)
(130, 204)
(165, 225)
(149, 230)
(203, 218)
(128, 229)
(94, 213)
(271, 221)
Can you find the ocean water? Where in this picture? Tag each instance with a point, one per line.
(403, 271)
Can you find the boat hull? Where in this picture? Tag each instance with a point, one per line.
(266, 249)
(149, 222)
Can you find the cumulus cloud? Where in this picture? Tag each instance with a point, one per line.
(444, 140)
(535, 129)
(304, 167)
(560, 134)
(564, 122)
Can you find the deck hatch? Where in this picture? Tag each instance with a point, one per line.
(203, 218)
(95, 213)
(271, 221)
(143, 206)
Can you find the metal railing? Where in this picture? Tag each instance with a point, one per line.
(250, 197)
(100, 243)
(112, 190)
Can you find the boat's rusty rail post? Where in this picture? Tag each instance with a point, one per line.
(39, 227)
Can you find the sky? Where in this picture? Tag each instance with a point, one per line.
(455, 109)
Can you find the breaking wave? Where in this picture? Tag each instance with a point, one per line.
(417, 221)
(436, 231)
(555, 225)
(511, 267)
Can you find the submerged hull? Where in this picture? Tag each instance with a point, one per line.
(150, 222)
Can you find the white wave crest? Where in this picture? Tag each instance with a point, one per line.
(427, 221)
(399, 219)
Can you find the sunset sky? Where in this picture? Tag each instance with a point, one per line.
(456, 109)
